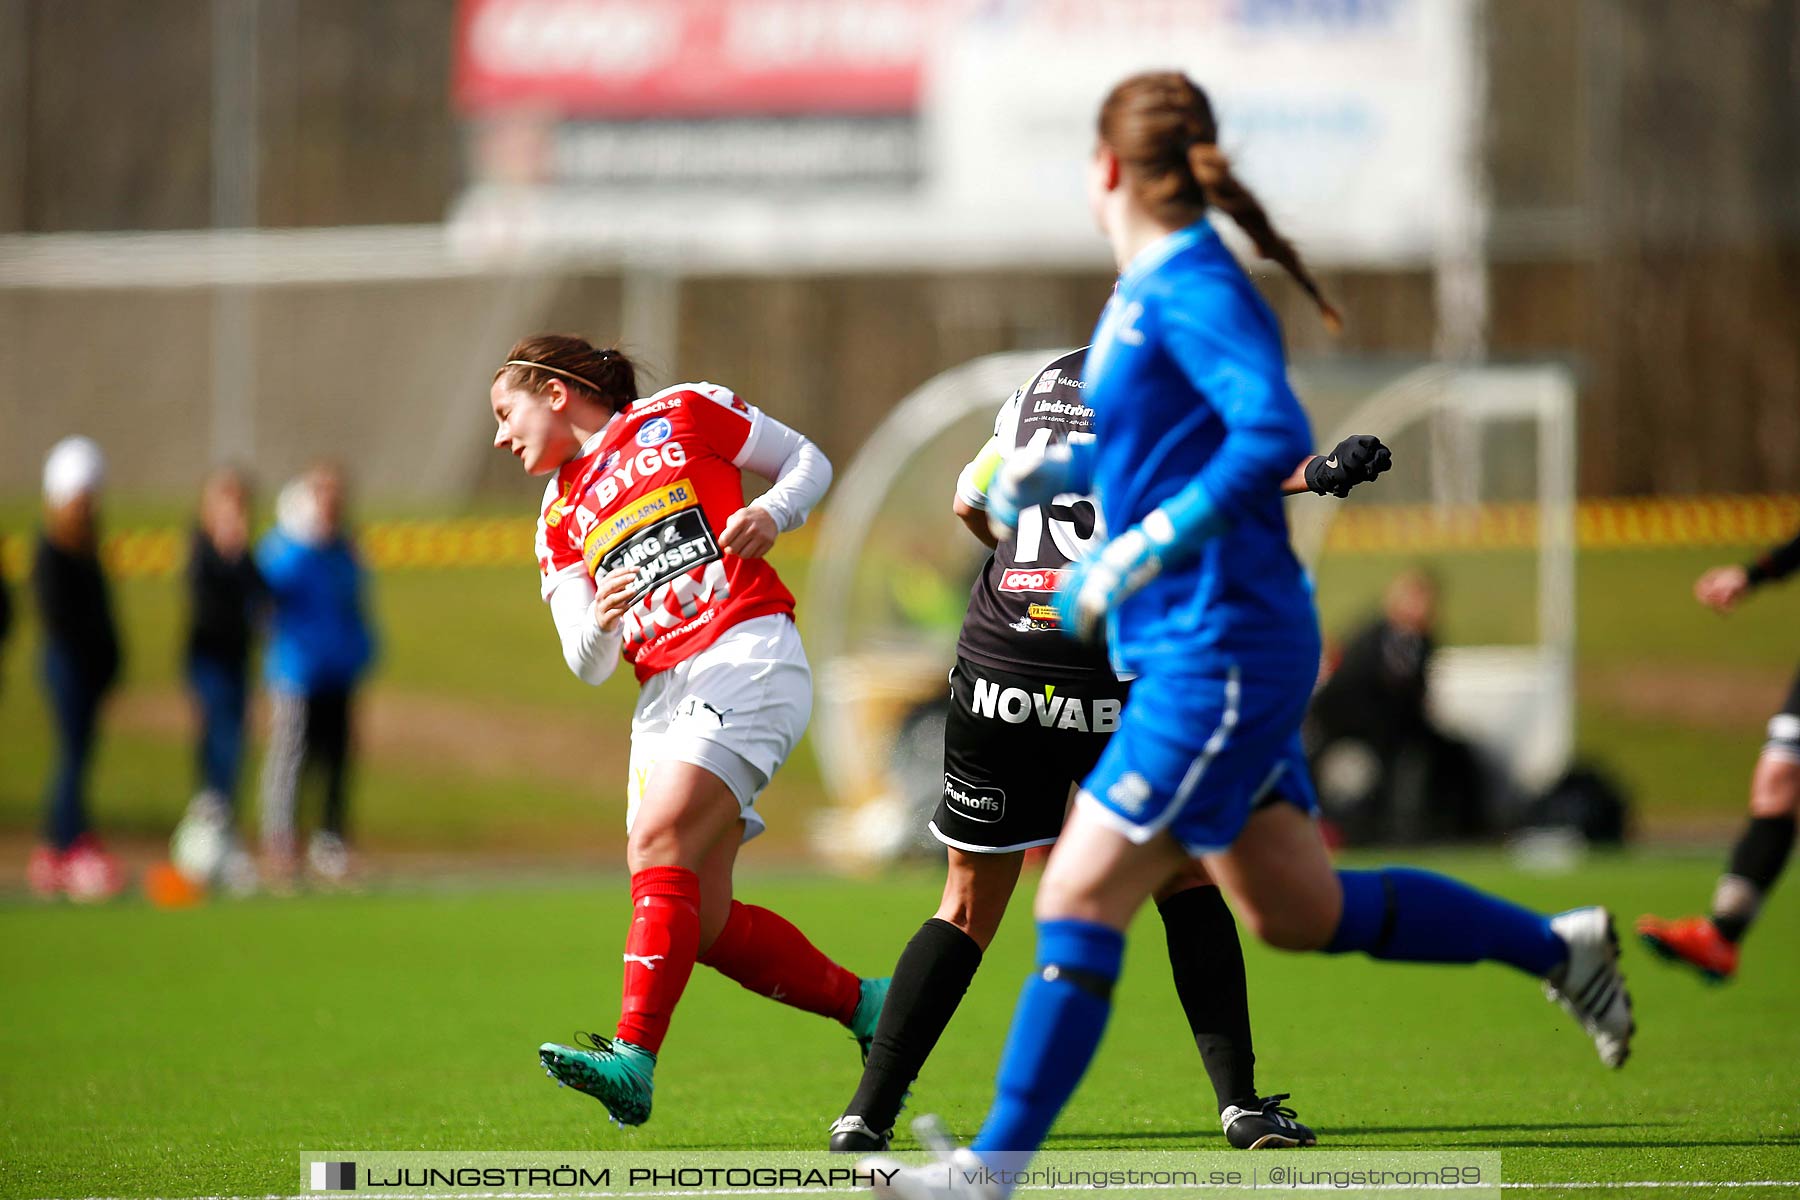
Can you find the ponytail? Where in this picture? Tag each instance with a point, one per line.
(1161, 127)
(1225, 192)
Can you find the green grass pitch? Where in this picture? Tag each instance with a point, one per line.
(193, 1053)
(1671, 698)
(148, 1053)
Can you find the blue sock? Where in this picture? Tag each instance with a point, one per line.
(1056, 1029)
(1418, 916)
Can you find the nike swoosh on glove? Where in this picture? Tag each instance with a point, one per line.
(1098, 583)
(1357, 459)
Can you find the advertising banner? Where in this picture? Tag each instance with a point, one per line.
(1355, 121)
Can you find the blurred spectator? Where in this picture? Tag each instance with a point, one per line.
(1384, 771)
(224, 592)
(319, 647)
(81, 661)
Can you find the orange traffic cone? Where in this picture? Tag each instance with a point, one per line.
(168, 888)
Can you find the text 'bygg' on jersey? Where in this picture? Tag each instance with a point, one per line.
(652, 492)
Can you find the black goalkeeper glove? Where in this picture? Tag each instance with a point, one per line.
(1357, 459)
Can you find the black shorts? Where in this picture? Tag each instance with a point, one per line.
(1012, 747)
(1784, 728)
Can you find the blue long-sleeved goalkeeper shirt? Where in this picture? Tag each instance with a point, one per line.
(1192, 406)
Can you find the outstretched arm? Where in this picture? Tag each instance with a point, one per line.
(1721, 588)
(1777, 564)
(1357, 459)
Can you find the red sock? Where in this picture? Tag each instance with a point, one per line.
(659, 952)
(765, 953)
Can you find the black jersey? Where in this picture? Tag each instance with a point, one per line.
(1778, 563)
(1011, 623)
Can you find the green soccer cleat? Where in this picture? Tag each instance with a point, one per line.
(615, 1073)
(868, 1013)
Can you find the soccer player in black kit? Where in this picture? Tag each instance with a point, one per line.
(1709, 944)
(1030, 712)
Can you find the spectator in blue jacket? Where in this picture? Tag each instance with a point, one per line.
(319, 648)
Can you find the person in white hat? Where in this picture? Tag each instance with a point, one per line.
(80, 662)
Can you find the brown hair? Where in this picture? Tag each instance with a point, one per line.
(225, 476)
(1161, 127)
(603, 372)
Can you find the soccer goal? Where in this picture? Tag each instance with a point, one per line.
(1481, 496)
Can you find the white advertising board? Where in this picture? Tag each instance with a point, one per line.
(1352, 121)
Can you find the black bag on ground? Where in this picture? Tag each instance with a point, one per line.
(1585, 800)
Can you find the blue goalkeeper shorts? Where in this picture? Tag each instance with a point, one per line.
(1195, 755)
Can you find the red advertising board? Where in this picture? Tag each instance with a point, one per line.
(622, 59)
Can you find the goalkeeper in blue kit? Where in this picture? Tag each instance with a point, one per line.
(1030, 713)
(1197, 592)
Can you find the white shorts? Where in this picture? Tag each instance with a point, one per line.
(736, 709)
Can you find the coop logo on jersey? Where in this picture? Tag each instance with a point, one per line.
(984, 804)
(1015, 706)
(655, 432)
(1025, 579)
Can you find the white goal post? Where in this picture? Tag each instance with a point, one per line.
(1516, 701)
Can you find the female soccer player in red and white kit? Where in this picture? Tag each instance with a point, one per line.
(646, 548)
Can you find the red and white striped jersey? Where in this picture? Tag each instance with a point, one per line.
(652, 491)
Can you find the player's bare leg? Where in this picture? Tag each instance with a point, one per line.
(977, 889)
(1096, 874)
(1280, 879)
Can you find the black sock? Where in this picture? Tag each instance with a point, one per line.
(929, 981)
(1208, 965)
(1756, 863)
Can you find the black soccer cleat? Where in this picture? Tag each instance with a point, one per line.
(851, 1134)
(1265, 1125)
